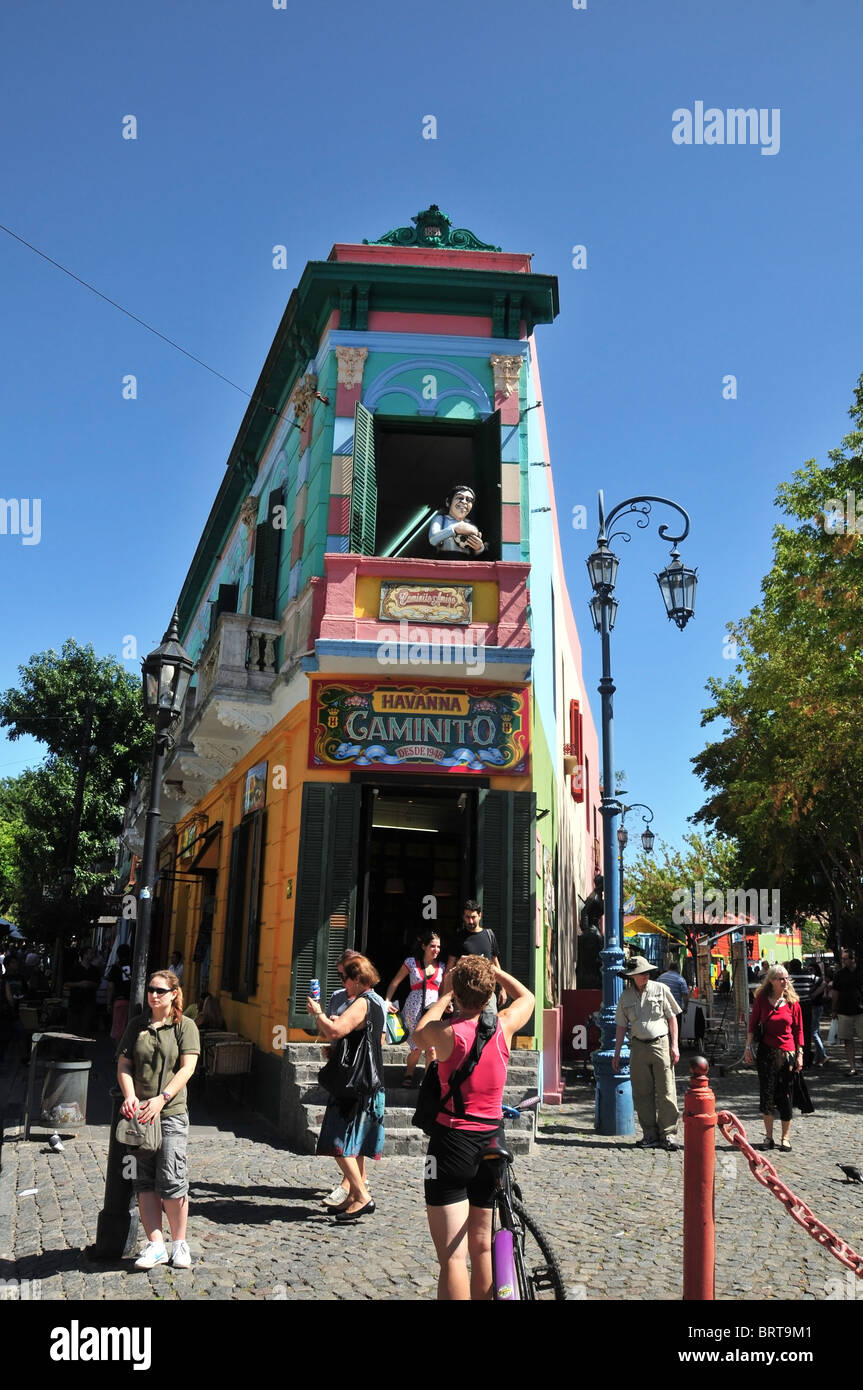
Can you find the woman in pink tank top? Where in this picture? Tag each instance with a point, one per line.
(459, 1185)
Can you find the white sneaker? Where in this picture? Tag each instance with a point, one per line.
(337, 1197)
(154, 1253)
(181, 1256)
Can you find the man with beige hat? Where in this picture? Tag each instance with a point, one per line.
(648, 1010)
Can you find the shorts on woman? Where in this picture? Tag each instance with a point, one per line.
(775, 1075)
(164, 1171)
(455, 1168)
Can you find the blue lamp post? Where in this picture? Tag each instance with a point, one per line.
(677, 584)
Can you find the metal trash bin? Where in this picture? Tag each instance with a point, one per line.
(64, 1093)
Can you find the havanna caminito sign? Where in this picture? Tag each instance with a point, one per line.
(424, 725)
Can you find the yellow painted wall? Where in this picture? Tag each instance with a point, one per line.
(287, 747)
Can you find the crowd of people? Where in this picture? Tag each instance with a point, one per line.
(460, 1007)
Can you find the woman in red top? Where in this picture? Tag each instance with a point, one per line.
(776, 1009)
(458, 1188)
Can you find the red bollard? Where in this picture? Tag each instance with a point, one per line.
(699, 1162)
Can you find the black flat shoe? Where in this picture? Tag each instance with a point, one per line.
(345, 1216)
(768, 1144)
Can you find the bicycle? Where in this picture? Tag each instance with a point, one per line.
(524, 1266)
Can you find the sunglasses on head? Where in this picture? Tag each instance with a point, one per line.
(154, 989)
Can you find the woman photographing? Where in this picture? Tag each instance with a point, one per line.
(459, 1189)
(354, 1129)
(777, 1021)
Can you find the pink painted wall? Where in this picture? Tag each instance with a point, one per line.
(461, 325)
(337, 620)
(428, 255)
(591, 735)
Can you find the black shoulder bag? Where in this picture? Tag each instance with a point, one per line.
(354, 1069)
(429, 1099)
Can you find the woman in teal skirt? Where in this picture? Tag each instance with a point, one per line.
(355, 1128)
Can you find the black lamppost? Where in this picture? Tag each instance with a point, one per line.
(677, 584)
(166, 673)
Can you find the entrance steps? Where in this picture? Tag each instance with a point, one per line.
(303, 1101)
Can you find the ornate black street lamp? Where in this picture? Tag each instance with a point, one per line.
(166, 673)
(677, 585)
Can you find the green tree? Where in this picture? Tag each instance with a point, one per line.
(36, 809)
(786, 777)
(658, 879)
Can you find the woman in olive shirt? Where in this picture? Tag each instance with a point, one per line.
(160, 1040)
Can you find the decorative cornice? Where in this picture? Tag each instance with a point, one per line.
(432, 228)
(506, 373)
(351, 362)
(239, 716)
(302, 397)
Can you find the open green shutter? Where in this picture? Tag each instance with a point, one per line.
(364, 487)
(506, 876)
(488, 484)
(326, 890)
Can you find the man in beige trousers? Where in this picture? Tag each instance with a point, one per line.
(648, 1011)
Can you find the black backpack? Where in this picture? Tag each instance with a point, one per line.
(429, 1099)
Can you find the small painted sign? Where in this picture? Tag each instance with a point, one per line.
(426, 725)
(189, 835)
(255, 789)
(427, 603)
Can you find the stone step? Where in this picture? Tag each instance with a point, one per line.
(517, 1079)
(304, 1101)
(397, 1097)
(404, 1138)
(394, 1054)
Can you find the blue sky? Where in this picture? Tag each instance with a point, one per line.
(303, 127)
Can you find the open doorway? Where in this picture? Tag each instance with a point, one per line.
(418, 858)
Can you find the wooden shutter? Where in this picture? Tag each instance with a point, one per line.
(233, 921)
(268, 552)
(326, 890)
(364, 486)
(506, 876)
(256, 842)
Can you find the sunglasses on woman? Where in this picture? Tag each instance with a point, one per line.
(154, 989)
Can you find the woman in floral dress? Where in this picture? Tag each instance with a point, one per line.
(425, 972)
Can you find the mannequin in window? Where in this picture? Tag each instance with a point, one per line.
(451, 534)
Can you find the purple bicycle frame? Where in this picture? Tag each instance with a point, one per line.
(503, 1267)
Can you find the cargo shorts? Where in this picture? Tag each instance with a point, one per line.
(164, 1171)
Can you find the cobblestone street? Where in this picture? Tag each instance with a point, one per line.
(614, 1213)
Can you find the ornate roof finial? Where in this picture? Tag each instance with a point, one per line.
(432, 228)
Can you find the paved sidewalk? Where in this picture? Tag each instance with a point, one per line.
(258, 1232)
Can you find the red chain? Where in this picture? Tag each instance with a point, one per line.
(766, 1174)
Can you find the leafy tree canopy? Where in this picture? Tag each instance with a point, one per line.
(36, 809)
(654, 878)
(786, 777)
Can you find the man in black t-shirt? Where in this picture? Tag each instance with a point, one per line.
(474, 939)
(846, 997)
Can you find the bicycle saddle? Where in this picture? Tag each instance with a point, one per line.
(496, 1149)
